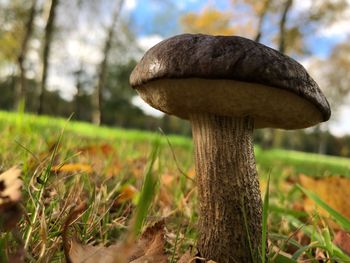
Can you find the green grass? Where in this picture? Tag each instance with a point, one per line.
(43, 127)
(144, 160)
(315, 165)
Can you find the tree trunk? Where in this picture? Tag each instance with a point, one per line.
(97, 98)
(230, 210)
(77, 99)
(21, 84)
(282, 26)
(49, 30)
(281, 48)
(262, 16)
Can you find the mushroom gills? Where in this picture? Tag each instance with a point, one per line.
(269, 106)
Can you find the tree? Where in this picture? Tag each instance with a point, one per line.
(98, 95)
(209, 21)
(11, 30)
(21, 85)
(333, 73)
(261, 11)
(282, 26)
(49, 31)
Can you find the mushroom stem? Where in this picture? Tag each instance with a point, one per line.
(228, 188)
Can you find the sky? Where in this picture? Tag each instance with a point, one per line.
(154, 20)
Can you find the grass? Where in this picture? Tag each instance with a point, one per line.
(157, 187)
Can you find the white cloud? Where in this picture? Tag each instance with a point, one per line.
(339, 124)
(137, 101)
(339, 29)
(302, 5)
(79, 50)
(342, 125)
(130, 5)
(146, 42)
(56, 81)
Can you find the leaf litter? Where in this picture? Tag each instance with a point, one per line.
(149, 247)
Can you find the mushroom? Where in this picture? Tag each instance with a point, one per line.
(227, 86)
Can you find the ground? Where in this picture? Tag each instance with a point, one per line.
(123, 179)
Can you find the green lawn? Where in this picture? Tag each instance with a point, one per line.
(33, 130)
(119, 159)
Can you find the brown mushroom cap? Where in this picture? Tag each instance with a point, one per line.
(231, 76)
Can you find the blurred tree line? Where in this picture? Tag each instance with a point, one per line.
(93, 44)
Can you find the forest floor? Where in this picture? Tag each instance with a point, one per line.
(96, 185)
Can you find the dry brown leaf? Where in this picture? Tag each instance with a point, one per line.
(94, 254)
(73, 215)
(10, 185)
(127, 193)
(165, 198)
(150, 248)
(333, 190)
(167, 180)
(137, 166)
(104, 149)
(151, 243)
(97, 155)
(342, 240)
(10, 195)
(18, 256)
(113, 168)
(320, 255)
(72, 168)
(191, 172)
(188, 257)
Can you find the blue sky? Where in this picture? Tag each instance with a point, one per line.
(161, 17)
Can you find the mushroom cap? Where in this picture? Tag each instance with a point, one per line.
(230, 76)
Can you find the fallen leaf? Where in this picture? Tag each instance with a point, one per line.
(18, 256)
(151, 243)
(188, 257)
(94, 254)
(165, 198)
(10, 196)
(333, 190)
(10, 185)
(320, 255)
(149, 248)
(137, 166)
(342, 240)
(72, 168)
(191, 172)
(127, 193)
(103, 158)
(104, 149)
(113, 168)
(167, 180)
(73, 215)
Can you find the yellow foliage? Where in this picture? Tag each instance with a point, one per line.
(209, 21)
(333, 190)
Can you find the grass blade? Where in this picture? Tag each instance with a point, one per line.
(283, 259)
(315, 235)
(148, 190)
(341, 220)
(264, 221)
